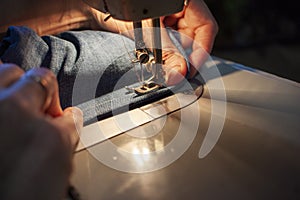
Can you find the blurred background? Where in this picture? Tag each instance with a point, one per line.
(263, 34)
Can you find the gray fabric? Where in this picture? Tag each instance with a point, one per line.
(88, 65)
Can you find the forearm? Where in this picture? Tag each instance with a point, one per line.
(45, 17)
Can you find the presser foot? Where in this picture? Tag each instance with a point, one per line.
(145, 88)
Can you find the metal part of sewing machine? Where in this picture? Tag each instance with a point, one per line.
(136, 11)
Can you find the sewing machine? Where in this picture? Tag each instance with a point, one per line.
(136, 11)
(256, 157)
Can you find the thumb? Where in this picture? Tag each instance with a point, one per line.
(71, 123)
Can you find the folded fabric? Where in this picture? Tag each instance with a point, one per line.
(92, 67)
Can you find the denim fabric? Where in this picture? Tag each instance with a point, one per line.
(88, 64)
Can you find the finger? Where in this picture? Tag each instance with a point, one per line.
(202, 46)
(197, 58)
(38, 90)
(71, 122)
(175, 65)
(205, 36)
(172, 20)
(48, 83)
(9, 74)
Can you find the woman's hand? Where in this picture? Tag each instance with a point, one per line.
(37, 138)
(200, 28)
